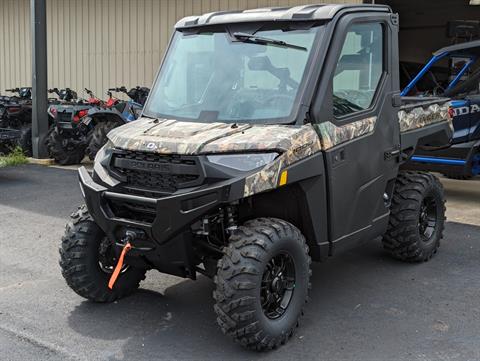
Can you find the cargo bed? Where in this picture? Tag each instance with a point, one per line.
(424, 122)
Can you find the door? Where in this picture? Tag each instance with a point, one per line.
(360, 131)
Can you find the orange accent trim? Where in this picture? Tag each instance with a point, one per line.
(119, 265)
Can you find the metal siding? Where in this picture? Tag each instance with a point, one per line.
(101, 43)
(15, 62)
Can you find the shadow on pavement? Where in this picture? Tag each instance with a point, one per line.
(363, 304)
(177, 324)
(180, 324)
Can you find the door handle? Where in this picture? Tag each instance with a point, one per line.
(389, 154)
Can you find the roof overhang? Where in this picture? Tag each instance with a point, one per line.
(278, 14)
(462, 49)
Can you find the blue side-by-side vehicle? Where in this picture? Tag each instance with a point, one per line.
(461, 158)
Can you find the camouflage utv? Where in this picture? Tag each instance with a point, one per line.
(271, 138)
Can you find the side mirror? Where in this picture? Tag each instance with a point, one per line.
(397, 100)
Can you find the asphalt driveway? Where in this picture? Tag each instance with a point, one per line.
(364, 306)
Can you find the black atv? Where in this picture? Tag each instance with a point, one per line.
(113, 113)
(69, 137)
(16, 113)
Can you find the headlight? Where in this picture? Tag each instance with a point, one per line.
(102, 154)
(242, 162)
(102, 159)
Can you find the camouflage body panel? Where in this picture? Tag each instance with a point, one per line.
(331, 135)
(170, 136)
(302, 144)
(420, 117)
(189, 138)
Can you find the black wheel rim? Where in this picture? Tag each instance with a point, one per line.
(278, 285)
(427, 222)
(107, 259)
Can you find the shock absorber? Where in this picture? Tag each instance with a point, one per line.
(230, 219)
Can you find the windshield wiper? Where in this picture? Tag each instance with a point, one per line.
(261, 40)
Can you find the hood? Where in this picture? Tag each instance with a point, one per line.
(179, 137)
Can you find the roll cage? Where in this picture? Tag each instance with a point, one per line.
(470, 50)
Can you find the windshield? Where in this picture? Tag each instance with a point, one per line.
(217, 76)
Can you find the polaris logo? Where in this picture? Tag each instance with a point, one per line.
(143, 165)
(474, 108)
(159, 167)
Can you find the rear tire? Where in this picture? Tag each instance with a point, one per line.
(82, 268)
(65, 151)
(417, 217)
(99, 136)
(259, 302)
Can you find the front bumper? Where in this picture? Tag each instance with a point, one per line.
(172, 214)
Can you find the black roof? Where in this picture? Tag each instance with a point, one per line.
(468, 48)
(296, 13)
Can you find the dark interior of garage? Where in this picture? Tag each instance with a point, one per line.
(428, 25)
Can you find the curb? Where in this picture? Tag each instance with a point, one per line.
(46, 161)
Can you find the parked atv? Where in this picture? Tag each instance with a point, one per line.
(17, 114)
(68, 140)
(271, 138)
(4, 101)
(461, 158)
(112, 114)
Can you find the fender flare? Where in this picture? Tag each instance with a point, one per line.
(106, 113)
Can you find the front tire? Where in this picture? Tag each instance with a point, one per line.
(417, 217)
(87, 264)
(262, 283)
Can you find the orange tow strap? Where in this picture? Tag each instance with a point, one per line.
(119, 265)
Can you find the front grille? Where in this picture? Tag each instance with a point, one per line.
(163, 182)
(142, 172)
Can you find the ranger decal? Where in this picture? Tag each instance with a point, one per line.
(420, 117)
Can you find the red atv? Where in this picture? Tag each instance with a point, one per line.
(68, 139)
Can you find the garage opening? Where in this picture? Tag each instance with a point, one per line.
(429, 25)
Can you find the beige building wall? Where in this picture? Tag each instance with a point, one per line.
(102, 43)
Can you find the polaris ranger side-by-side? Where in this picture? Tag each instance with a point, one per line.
(271, 138)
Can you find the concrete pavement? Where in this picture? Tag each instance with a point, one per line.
(364, 305)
